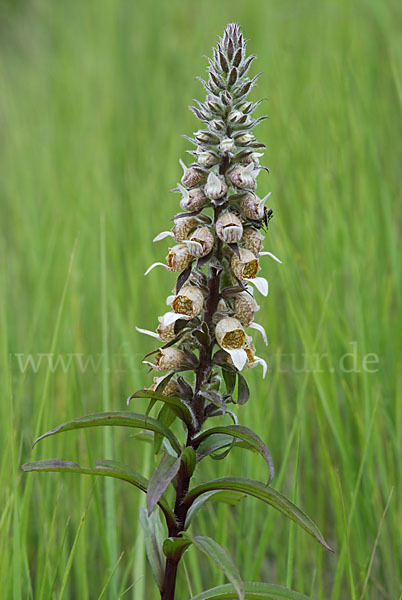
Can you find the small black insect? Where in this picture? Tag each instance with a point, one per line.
(268, 215)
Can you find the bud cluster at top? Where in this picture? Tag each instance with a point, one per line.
(218, 234)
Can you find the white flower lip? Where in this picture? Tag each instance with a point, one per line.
(163, 235)
(238, 356)
(261, 284)
(263, 363)
(261, 329)
(195, 248)
(271, 255)
(171, 317)
(148, 332)
(156, 264)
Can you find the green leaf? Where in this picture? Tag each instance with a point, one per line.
(213, 443)
(105, 468)
(189, 460)
(165, 416)
(174, 547)
(153, 537)
(230, 380)
(253, 591)
(162, 476)
(245, 434)
(219, 555)
(119, 419)
(243, 392)
(264, 493)
(227, 497)
(177, 405)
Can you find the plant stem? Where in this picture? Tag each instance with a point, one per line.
(203, 373)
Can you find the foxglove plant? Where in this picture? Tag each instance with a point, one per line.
(205, 343)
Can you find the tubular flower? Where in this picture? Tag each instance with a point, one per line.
(229, 228)
(167, 359)
(200, 243)
(251, 360)
(178, 258)
(182, 227)
(192, 200)
(252, 240)
(243, 177)
(165, 331)
(253, 207)
(231, 336)
(245, 267)
(215, 188)
(192, 176)
(245, 307)
(189, 301)
(171, 388)
(230, 333)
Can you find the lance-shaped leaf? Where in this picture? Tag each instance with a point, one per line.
(257, 489)
(162, 476)
(105, 468)
(226, 497)
(252, 591)
(119, 419)
(179, 407)
(248, 436)
(153, 538)
(219, 555)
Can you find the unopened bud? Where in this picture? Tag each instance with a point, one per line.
(178, 258)
(168, 359)
(182, 227)
(253, 157)
(222, 306)
(243, 177)
(226, 145)
(207, 158)
(245, 107)
(235, 116)
(189, 301)
(218, 124)
(171, 388)
(206, 137)
(230, 334)
(244, 138)
(201, 242)
(191, 176)
(215, 187)
(245, 307)
(245, 267)
(229, 228)
(252, 240)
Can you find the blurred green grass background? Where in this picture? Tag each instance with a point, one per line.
(94, 98)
